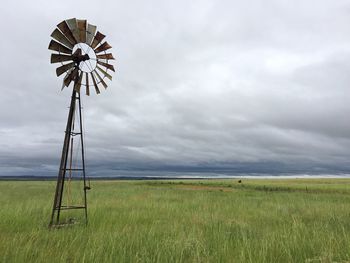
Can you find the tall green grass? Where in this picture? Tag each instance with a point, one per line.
(182, 221)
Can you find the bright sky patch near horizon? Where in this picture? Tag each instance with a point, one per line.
(197, 83)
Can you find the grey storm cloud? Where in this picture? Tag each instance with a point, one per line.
(198, 83)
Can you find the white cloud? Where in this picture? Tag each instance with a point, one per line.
(196, 82)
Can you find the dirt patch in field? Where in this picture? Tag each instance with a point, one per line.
(204, 187)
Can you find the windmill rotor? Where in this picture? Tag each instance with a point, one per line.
(83, 54)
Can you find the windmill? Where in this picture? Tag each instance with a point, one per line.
(82, 53)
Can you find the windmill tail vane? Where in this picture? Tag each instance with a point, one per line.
(84, 58)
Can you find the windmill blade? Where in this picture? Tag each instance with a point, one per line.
(62, 86)
(95, 84)
(64, 79)
(82, 30)
(72, 75)
(61, 38)
(69, 72)
(72, 24)
(101, 79)
(59, 47)
(56, 58)
(108, 56)
(87, 84)
(104, 72)
(97, 39)
(90, 33)
(106, 65)
(77, 52)
(77, 84)
(60, 70)
(66, 31)
(103, 47)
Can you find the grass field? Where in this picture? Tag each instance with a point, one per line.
(301, 220)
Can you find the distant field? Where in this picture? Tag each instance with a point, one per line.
(296, 220)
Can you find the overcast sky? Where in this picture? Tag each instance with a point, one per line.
(197, 84)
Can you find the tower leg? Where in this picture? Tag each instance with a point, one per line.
(62, 170)
(83, 157)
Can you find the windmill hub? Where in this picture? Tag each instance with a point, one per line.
(84, 57)
(78, 57)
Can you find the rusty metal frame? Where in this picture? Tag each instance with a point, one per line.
(67, 147)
